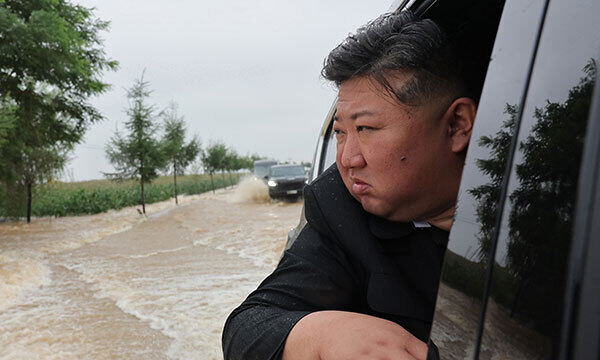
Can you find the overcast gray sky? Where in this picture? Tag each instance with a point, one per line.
(243, 72)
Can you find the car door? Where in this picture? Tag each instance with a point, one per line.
(507, 289)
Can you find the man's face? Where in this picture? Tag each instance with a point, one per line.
(394, 159)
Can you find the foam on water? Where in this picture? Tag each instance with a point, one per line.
(18, 275)
(246, 243)
(173, 279)
(153, 253)
(187, 302)
(49, 236)
(63, 321)
(250, 189)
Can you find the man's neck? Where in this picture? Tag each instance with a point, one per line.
(443, 220)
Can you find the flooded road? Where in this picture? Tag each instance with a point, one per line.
(118, 285)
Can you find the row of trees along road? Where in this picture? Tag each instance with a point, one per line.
(51, 62)
(141, 154)
(217, 156)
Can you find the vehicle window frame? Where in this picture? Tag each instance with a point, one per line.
(322, 142)
(582, 340)
(522, 98)
(580, 326)
(505, 181)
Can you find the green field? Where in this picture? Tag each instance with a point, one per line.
(96, 196)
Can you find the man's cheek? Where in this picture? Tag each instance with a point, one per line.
(338, 156)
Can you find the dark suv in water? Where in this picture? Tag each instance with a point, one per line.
(521, 276)
(286, 181)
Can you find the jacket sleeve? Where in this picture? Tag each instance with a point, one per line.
(313, 275)
(432, 351)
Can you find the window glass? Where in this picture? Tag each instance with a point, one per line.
(330, 148)
(523, 317)
(262, 169)
(287, 170)
(458, 305)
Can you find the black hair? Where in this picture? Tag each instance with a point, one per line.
(400, 41)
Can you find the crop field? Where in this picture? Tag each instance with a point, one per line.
(96, 196)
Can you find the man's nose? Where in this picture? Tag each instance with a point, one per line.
(351, 154)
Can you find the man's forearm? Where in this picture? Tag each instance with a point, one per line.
(302, 341)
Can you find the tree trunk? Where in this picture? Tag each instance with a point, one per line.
(175, 181)
(143, 197)
(223, 176)
(230, 179)
(212, 183)
(29, 182)
(28, 202)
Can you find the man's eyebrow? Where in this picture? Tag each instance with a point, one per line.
(356, 115)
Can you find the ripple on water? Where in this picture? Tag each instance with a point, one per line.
(160, 288)
(19, 275)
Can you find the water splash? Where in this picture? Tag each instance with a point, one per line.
(250, 190)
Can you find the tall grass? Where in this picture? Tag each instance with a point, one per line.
(96, 196)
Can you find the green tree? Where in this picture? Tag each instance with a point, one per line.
(232, 163)
(139, 154)
(247, 161)
(213, 159)
(53, 43)
(40, 166)
(178, 154)
(8, 122)
(9, 204)
(26, 161)
(51, 62)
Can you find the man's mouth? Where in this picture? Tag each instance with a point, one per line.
(359, 187)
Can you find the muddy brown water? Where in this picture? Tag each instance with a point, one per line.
(118, 285)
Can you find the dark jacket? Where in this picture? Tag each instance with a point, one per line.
(344, 259)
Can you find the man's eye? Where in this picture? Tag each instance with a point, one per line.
(362, 128)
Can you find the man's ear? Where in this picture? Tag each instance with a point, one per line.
(459, 119)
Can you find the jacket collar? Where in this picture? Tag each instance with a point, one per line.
(387, 230)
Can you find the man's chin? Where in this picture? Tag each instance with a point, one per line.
(372, 206)
(382, 210)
